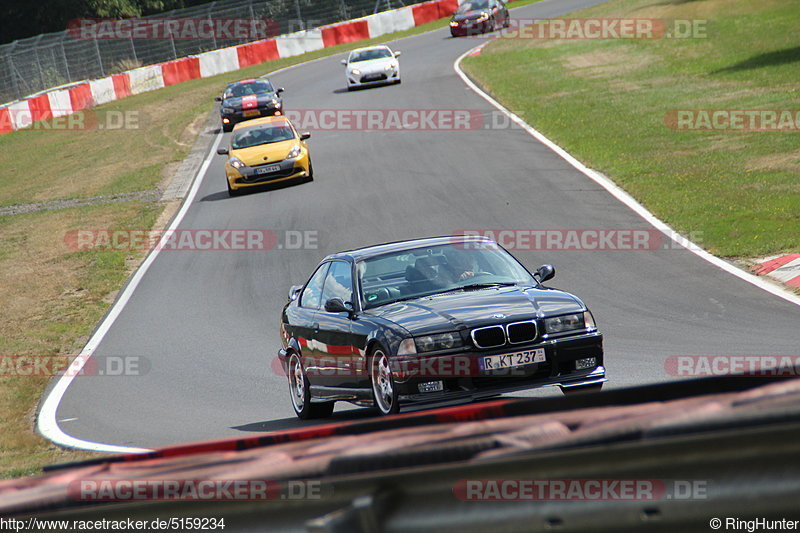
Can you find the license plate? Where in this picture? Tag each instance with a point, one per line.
(510, 360)
(251, 113)
(268, 169)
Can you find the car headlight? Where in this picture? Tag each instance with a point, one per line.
(355, 72)
(440, 341)
(391, 66)
(453, 24)
(236, 163)
(588, 318)
(560, 324)
(275, 102)
(407, 347)
(483, 18)
(294, 152)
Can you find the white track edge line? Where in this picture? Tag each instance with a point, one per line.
(623, 196)
(47, 422)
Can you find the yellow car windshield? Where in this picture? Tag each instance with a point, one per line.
(247, 137)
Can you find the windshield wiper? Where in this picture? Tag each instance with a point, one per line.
(478, 286)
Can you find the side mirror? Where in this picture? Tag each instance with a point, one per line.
(279, 91)
(294, 292)
(343, 62)
(398, 53)
(545, 272)
(336, 305)
(305, 135)
(222, 151)
(217, 98)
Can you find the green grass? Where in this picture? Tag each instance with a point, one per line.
(605, 102)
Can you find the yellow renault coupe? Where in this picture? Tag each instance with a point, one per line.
(264, 151)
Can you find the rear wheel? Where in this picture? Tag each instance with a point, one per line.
(384, 392)
(300, 392)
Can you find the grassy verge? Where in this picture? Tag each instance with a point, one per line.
(606, 102)
(52, 297)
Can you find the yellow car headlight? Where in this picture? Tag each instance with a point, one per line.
(236, 163)
(294, 152)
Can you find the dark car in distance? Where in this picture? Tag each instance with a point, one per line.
(432, 321)
(474, 17)
(248, 99)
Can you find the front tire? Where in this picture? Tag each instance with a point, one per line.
(227, 128)
(384, 392)
(232, 192)
(300, 393)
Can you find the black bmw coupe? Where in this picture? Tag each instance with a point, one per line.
(432, 321)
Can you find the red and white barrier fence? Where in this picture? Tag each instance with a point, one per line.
(67, 100)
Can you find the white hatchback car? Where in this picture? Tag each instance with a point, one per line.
(373, 65)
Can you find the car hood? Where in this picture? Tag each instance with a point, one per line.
(371, 65)
(473, 308)
(265, 153)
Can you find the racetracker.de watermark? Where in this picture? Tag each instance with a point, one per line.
(592, 239)
(347, 364)
(493, 490)
(744, 120)
(409, 119)
(73, 365)
(212, 29)
(191, 239)
(732, 365)
(67, 120)
(118, 490)
(582, 29)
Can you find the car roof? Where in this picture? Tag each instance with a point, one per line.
(359, 254)
(263, 120)
(248, 80)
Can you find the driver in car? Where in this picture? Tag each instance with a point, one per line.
(462, 265)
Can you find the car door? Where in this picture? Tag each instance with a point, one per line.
(302, 317)
(334, 329)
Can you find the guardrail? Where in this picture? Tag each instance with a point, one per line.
(71, 98)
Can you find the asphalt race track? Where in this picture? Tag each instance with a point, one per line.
(207, 321)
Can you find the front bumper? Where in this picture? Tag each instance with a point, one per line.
(248, 114)
(559, 369)
(288, 169)
(373, 78)
(471, 28)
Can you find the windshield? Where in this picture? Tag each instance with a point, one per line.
(261, 134)
(473, 5)
(368, 55)
(426, 271)
(246, 89)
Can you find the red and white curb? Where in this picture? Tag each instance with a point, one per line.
(782, 268)
(71, 98)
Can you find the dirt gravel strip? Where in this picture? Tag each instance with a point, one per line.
(153, 195)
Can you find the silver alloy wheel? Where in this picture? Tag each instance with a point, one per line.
(297, 383)
(382, 385)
